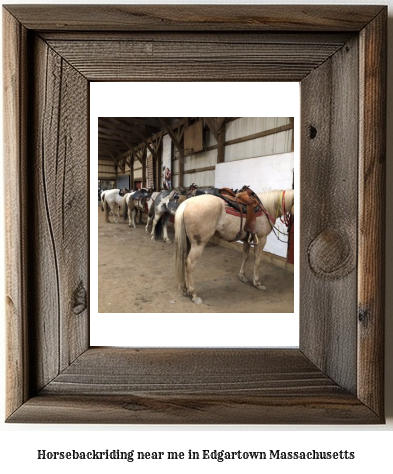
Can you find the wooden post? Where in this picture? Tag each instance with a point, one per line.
(144, 168)
(221, 128)
(132, 179)
(291, 119)
(157, 180)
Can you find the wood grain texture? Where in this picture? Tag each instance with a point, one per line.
(53, 375)
(195, 17)
(192, 56)
(193, 386)
(16, 226)
(328, 248)
(59, 181)
(372, 195)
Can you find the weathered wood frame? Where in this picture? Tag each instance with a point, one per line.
(338, 53)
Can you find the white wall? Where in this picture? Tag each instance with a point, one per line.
(261, 174)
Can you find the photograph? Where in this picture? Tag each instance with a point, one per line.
(236, 178)
(237, 266)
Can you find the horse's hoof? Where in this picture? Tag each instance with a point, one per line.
(196, 300)
(242, 278)
(168, 241)
(259, 286)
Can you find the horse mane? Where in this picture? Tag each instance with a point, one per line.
(270, 200)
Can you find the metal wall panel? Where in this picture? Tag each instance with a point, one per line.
(245, 126)
(106, 169)
(264, 146)
(150, 172)
(203, 178)
(123, 181)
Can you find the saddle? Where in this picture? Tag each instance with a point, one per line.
(246, 202)
(141, 193)
(141, 196)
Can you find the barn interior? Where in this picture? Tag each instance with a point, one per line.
(135, 152)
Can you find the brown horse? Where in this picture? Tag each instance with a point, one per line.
(201, 217)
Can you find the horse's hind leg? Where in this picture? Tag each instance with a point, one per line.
(148, 222)
(107, 212)
(257, 255)
(131, 219)
(155, 220)
(246, 254)
(195, 252)
(115, 213)
(165, 229)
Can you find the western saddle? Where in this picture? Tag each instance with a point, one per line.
(245, 202)
(141, 196)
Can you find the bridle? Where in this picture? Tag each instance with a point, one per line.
(284, 215)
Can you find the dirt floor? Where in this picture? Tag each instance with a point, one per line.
(151, 286)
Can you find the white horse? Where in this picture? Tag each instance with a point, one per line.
(111, 200)
(201, 217)
(137, 201)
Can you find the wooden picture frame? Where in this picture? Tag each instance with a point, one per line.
(338, 54)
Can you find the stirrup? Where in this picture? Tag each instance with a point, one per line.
(253, 239)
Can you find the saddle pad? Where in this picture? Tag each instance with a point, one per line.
(233, 212)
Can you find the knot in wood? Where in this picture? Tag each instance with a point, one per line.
(330, 254)
(80, 299)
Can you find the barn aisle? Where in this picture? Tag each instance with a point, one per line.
(136, 275)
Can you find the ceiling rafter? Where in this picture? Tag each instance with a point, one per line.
(127, 137)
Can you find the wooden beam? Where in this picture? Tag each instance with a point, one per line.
(291, 119)
(132, 171)
(145, 141)
(144, 169)
(212, 124)
(221, 129)
(173, 136)
(119, 163)
(178, 147)
(199, 170)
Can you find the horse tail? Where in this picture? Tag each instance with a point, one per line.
(159, 226)
(181, 245)
(102, 201)
(124, 204)
(106, 209)
(151, 210)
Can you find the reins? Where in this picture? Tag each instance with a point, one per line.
(285, 217)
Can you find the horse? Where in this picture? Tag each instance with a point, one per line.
(201, 217)
(165, 204)
(109, 200)
(138, 201)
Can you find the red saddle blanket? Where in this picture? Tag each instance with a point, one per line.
(234, 212)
